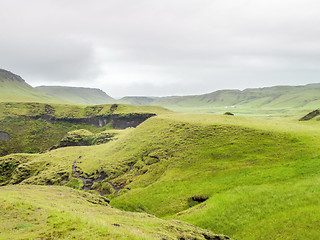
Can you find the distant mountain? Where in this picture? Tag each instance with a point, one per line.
(78, 95)
(307, 96)
(14, 89)
(137, 100)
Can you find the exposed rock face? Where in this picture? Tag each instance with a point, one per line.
(118, 121)
(6, 75)
(310, 115)
(4, 136)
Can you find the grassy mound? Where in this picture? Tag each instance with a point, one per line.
(43, 212)
(83, 137)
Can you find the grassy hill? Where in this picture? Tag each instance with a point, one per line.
(78, 95)
(243, 177)
(14, 89)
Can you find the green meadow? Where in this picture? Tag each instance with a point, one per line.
(244, 177)
(53, 212)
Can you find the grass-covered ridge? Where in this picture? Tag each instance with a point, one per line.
(224, 173)
(269, 102)
(38, 212)
(10, 109)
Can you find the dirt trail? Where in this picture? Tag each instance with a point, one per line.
(88, 182)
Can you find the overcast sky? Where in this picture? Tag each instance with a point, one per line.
(161, 47)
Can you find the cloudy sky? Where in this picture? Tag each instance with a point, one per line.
(159, 48)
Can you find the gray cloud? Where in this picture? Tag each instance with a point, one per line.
(148, 47)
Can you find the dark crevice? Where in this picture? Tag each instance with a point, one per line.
(118, 121)
(197, 199)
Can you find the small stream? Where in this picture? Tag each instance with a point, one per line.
(88, 182)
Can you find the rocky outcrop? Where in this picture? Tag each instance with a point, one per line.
(118, 121)
(9, 76)
(4, 136)
(310, 115)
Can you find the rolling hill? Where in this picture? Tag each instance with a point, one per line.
(14, 89)
(78, 95)
(307, 96)
(277, 100)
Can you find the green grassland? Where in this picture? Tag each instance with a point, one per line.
(244, 177)
(46, 212)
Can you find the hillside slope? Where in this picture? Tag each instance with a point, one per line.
(78, 95)
(14, 89)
